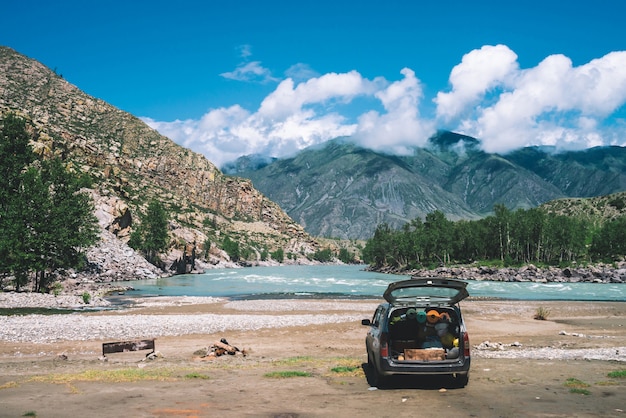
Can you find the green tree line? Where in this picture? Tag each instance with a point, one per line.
(512, 237)
(45, 220)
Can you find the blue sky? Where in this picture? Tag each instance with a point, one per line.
(240, 77)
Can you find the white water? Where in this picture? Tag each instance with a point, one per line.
(329, 281)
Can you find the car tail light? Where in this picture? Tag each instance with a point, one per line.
(384, 347)
(466, 345)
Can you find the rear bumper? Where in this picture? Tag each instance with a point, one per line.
(389, 367)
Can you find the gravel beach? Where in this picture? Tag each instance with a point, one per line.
(520, 366)
(147, 318)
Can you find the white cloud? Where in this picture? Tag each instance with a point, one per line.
(553, 103)
(400, 128)
(491, 98)
(250, 71)
(245, 50)
(289, 119)
(479, 71)
(289, 97)
(301, 72)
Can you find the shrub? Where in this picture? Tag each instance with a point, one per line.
(542, 313)
(86, 298)
(278, 255)
(323, 256)
(57, 289)
(345, 256)
(620, 374)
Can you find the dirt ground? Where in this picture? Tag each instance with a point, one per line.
(70, 380)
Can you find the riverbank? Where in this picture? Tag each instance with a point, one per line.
(158, 317)
(596, 273)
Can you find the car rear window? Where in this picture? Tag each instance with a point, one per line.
(424, 293)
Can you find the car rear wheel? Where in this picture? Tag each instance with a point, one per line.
(375, 378)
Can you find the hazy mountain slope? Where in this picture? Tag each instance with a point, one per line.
(592, 172)
(341, 190)
(594, 209)
(484, 180)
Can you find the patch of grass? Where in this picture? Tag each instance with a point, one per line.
(617, 374)
(348, 367)
(287, 374)
(298, 360)
(112, 376)
(345, 370)
(577, 386)
(30, 414)
(579, 391)
(575, 383)
(9, 385)
(607, 383)
(196, 375)
(542, 313)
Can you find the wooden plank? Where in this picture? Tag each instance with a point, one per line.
(124, 346)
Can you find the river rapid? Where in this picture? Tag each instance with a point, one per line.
(349, 281)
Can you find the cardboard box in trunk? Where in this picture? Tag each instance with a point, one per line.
(425, 354)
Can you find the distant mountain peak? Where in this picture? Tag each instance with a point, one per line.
(250, 162)
(452, 141)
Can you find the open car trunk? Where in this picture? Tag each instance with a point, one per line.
(425, 335)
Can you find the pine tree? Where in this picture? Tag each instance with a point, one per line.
(151, 237)
(45, 220)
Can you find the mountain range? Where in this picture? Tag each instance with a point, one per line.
(334, 190)
(341, 190)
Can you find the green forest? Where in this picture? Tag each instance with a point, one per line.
(45, 220)
(510, 238)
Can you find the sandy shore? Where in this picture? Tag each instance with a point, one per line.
(520, 366)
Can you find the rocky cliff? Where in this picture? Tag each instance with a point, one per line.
(131, 163)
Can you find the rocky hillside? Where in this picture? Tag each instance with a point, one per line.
(131, 164)
(341, 190)
(593, 209)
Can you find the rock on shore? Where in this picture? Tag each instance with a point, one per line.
(600, 273)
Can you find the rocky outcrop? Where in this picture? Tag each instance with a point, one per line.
(132, 164)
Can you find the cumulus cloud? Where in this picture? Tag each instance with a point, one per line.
(479, 71)
(400, 128)
(490, 97)
(289, 97)
(284, 123)
(553, 103)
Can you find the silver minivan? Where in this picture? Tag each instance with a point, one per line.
(419, 330)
